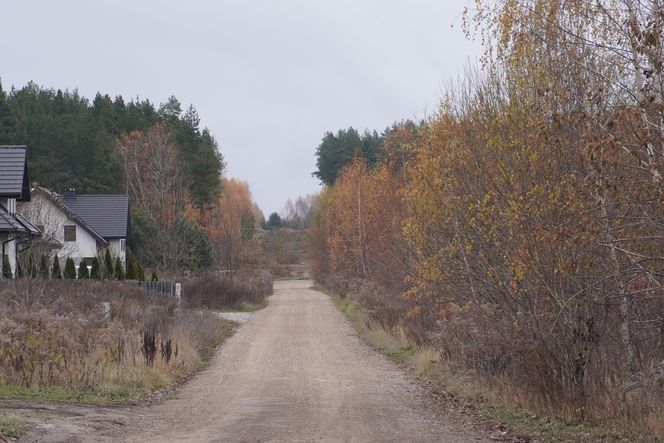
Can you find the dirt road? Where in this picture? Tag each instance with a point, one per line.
(295, 371)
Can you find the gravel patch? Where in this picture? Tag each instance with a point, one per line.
(237, 317)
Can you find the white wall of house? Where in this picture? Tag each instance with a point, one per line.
(10, 247)
(42, 212)
(119, 249)
(84, 246)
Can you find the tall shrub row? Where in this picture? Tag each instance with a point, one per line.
(519, 230)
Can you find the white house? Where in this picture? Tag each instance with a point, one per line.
(82, 226)
(16, 233)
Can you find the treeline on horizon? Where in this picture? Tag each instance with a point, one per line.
(73, 140)
(519, 232)
(109, 145)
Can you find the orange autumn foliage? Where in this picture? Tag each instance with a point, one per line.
(523, 228)
(231, 223)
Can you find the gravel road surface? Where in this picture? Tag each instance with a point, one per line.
(295, 371)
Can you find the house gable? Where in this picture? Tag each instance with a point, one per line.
(101, 221)
(48, 209)
(52, 217)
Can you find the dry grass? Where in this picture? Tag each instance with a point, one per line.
(497, 397)
(277, 249)
(243, 290)
(63, 346)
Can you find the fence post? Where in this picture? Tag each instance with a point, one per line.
(106, 310)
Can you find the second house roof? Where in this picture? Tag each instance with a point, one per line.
(106, 214)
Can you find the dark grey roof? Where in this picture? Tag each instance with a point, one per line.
(108, 215)
(9, 224)
(14, 180)
(32, 229)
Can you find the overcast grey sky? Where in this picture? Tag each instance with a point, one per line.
(268, 78)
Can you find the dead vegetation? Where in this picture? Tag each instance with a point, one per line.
(67, 345)
(241, 290)
(489, 357)
(509, 412)
(282, 251)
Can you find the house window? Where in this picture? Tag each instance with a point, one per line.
(70, 233)
(122, 245)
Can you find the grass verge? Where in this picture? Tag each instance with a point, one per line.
(11, 428)
(247, 307)
(55, 394)
(464, 389)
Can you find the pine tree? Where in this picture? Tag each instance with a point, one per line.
(55, 272)
(70, 269)
(28, 113)
(336, 151)
(108, 262)
(7, 120)
(132, 270)
(43, 267)
(83, 272)
(6, 268)
(95, 272)
(136, 270)
(119, 270)
(274, 221)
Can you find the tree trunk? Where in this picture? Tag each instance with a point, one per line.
(359, 228)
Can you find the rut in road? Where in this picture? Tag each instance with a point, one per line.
(296, 371)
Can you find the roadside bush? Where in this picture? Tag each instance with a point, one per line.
(119, 270)
(70, 269)
(95, 271)
(83, 272)
(56, 273)
(108, 264)
(214, 291)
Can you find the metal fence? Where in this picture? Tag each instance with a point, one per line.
(168, 288)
